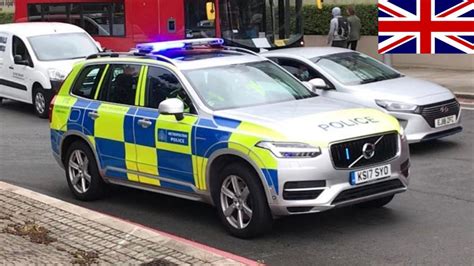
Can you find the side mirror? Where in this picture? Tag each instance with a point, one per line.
(172, 107)
(318, 83)
(18, 59)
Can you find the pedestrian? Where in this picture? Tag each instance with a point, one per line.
(355, 25)
(338, 29)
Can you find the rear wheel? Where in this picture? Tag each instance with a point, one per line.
(40, 102)
(241, 202)
(82, 173)
(376, 203)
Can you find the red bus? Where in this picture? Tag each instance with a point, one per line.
(120, 24)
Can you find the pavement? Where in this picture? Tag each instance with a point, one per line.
(461, 82)
(37, 229)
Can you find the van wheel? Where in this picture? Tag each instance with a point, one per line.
(40, 102)
(376, 203)
(241, 202)
(82, 173)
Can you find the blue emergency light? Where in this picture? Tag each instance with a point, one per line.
(156, 47)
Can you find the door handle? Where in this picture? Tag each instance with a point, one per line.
(10, 67)
(145, 123)
(93, 115)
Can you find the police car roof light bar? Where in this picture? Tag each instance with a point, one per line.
(156, 47)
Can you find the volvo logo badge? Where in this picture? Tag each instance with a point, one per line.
(444, 109)
(368, 151)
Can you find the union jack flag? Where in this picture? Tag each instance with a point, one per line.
(426, 26)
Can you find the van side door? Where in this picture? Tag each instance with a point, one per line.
(5, 65)
(22, 70)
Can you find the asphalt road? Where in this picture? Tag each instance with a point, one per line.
(432, 223)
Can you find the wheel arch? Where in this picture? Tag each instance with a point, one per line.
(72, 137)
(219, 159)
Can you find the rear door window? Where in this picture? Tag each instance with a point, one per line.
(88, 81)
(121, 84)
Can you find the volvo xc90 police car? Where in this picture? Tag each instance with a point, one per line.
(224, 126)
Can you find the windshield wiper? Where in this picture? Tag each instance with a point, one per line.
(370, 80)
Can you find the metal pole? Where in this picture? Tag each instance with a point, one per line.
(387, 59)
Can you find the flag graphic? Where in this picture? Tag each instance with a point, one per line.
(426, 26)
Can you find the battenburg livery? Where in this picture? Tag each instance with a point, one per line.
(224, 126)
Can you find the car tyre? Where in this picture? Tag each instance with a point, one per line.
(241, 202)
(40, 102)
(82, 173)
(377, 203)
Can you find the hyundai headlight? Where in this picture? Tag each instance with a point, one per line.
(56, 74)
(398, 106)
(290, 149)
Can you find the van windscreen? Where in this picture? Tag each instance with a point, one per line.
(65, 46)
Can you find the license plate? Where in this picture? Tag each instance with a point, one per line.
(374, 173)
(445, 121)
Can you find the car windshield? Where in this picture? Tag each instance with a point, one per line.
(63, 46)
(243, 85)
(354, 68)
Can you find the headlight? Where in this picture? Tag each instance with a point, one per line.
(397, 106)
(56, 74)
(290, 149)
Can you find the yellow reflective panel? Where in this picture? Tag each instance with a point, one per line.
(99, 86)
(109, 125)
(199, 171)
(61, 112)
(130, 160)
(147, 160)
(169, 123)
(149, 181)
(67, 84)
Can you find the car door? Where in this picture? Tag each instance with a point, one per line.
(163, 144)
(109, 121)
(20, 71)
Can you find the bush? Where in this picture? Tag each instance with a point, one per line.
(6, 18)
(316, 21)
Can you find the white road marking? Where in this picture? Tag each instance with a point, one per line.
(467, 108)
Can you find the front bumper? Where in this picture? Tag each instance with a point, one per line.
(417, 128)
(334, 186)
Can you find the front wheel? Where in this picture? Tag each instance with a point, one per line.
(82, 173)
(376, 203)
(41, 102)
(241, 202)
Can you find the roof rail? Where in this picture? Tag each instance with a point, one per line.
(240, 49)
(131, 54)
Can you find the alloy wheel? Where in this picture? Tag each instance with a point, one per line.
(78, 168)
(235, 202)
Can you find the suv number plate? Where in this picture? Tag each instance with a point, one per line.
(366, 175)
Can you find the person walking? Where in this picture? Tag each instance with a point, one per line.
(355, 25)
(338, 29)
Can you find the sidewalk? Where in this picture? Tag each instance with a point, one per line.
(461, 82)
(37, 229)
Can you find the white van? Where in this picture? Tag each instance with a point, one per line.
(36, 57)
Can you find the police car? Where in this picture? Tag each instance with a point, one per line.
(201, 121)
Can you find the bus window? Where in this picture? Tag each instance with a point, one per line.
(98, 19)
(199, 21)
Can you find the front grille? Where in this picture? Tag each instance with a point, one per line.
(438, 110)
(345, 154)
(303, 190)
(359, 192)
